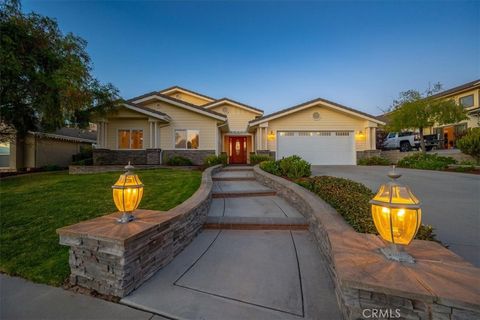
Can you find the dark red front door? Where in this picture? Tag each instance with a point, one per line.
(238, 150)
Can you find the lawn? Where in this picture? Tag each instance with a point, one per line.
(33, 206)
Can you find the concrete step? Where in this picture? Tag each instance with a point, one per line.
(233, 179)
(246, 193)
(256, 223)
(238, 168)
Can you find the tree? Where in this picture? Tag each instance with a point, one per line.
(470, 143)
(46, 79)
(414, 110)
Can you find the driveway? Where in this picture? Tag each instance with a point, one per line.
(450, 201)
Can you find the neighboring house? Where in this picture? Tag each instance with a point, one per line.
(467, 95)
(39, 149)
(158, 125)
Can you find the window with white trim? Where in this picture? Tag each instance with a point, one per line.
(187, 139)
(130, 139)
(466, 101)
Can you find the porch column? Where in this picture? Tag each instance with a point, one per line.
(373, 138)
(150, 134)
(156, 134)
(100, 135)
(105, 134)
(368, 140)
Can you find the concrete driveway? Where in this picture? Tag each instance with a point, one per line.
(450, 201)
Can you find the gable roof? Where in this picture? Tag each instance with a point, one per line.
(147, 111)
(165, 91)
(178, 103)
(312, 103)
(457, 89)
(69, 134)
(232, 102)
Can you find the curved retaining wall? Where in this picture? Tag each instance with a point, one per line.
(115, 259)
(440, 285)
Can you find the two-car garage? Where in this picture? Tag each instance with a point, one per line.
(318, 147)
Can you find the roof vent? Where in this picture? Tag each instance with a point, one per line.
(316, 116)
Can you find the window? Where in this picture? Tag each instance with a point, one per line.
(130, 139)
(467, 101)
(187, 139)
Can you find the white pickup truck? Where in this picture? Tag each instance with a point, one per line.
(408, 140)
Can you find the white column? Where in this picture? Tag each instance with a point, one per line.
(374, 138)
(99, 134)
(150, 134)
(105, 130)
(156, 134)
(367, 139)
(261, 138)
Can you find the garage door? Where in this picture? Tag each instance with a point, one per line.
(318, 147)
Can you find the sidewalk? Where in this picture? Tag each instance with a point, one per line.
(21, 299)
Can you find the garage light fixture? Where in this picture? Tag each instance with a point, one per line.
(271, 136)
(360, 135)
(127, 194)
(397, 216)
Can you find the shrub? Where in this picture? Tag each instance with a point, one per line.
(470, 143)
(294, 167)
(426, 161)
(351, 200)
(374, 161)
(257, 158)
(179, 161)
(270, 167)
(213, 160)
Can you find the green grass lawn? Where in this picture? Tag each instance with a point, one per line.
(33, 206)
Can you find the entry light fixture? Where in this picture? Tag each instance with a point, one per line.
(360, 135)
(397, 216)
(127, 194)
(271, 136)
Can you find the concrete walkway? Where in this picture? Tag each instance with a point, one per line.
(450, 201)
(265, 273)
(22, 300)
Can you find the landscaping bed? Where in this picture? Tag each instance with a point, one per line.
(349, 198)
(34, 206)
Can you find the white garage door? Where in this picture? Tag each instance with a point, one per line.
(318, 147)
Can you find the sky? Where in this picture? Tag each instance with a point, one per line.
(273, 55)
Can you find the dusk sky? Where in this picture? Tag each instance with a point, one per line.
(273, 55)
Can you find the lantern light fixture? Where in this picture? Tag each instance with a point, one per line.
(271, 136)
(397, 216)
(127, 194)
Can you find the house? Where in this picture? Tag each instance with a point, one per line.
(153, 127)
(468, 96)
(40, 149)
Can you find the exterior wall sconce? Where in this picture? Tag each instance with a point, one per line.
(397, 216)
(360, 135)
(271, 136)
(127, 194)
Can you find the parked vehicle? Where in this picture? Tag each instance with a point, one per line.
(408, 140)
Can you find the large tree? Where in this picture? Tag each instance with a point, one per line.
(415, 110)
(45, 75)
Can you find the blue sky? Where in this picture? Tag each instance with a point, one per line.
(273, 55)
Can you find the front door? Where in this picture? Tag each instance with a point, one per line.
(238, 150)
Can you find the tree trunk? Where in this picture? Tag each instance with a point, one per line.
(422, 141)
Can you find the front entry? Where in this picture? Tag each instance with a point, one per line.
(237, 150)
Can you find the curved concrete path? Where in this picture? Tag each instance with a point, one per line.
(267, 273)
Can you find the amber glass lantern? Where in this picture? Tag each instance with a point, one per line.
(127, 193)
(397, 216)
(271, 136)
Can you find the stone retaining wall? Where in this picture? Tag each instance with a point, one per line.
(119, 157)
(440, 285)
(115, 259)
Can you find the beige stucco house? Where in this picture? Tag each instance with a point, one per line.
(155, 126)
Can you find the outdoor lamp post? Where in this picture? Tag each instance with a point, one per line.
(397, 215)
(127, 194)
